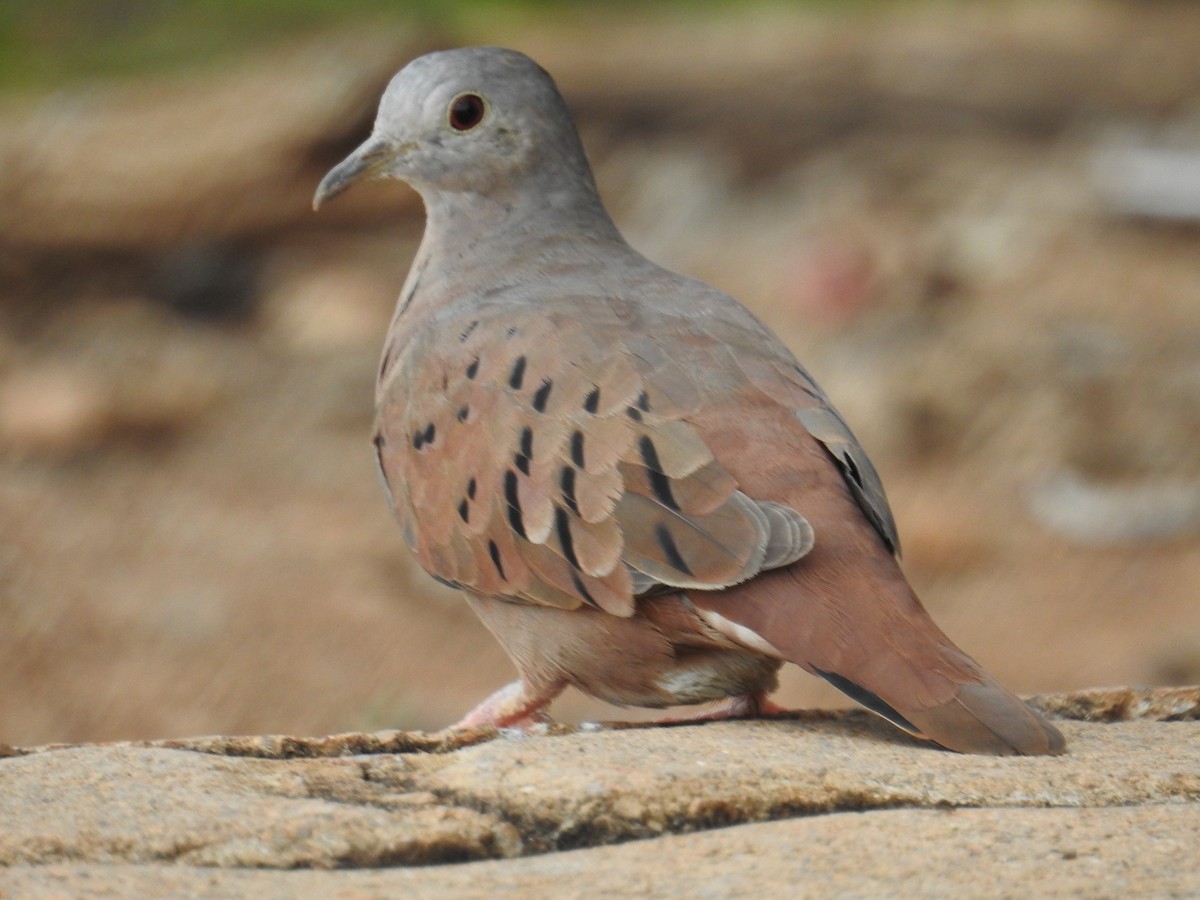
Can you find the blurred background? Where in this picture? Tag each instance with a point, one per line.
(977, 223)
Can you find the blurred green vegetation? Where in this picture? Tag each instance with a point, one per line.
(46, 43)
(49, 42)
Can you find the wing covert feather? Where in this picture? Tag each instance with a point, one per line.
(565, 477)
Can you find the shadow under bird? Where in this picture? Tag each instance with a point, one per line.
(637, 487)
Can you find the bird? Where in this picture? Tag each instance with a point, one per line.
(637, 487)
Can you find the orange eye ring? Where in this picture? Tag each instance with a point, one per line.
(466, 111)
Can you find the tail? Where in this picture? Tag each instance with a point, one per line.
(886, 653)
(981, 717)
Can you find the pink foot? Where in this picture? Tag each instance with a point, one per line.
(515, 705)
(746, 706)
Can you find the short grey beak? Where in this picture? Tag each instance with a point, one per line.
(366, 161)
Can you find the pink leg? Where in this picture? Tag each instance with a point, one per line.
(745, 706)
(515, 705)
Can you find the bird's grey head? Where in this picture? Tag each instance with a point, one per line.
(480, 120)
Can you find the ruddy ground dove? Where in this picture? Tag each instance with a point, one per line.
(635, 484)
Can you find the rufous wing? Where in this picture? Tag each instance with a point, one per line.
(533, 459)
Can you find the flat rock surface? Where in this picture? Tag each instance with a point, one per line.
(810, 803)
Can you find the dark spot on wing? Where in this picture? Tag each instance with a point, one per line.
(659, 482)
(542, 395)
(466, 333)
(464, 511)
(473, 368)
(463, 412)
(494, 553)
(577, 448)
(471, 486)
(424, 436)
(591, 402)
(525, 454)
(666, 541)
(517, 376)
(851, 468)
(567, 482)
(515, 517)
(582, 590)
(562, 525)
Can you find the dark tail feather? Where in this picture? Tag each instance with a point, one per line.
(982, 717)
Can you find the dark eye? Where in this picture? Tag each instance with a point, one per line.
(466, 111)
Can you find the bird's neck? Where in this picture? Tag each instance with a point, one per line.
(516, 220)
(473, 242)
